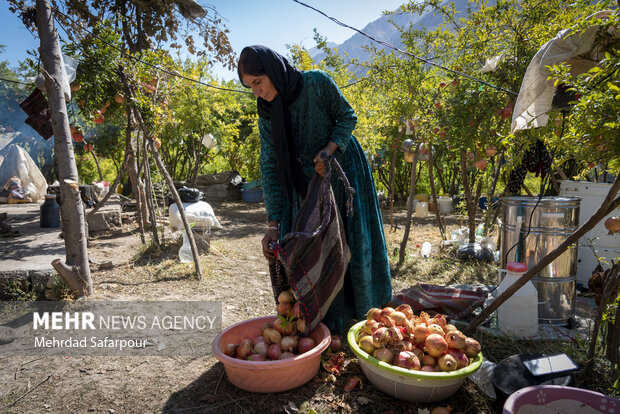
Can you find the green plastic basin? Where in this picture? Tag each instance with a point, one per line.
(406, 384)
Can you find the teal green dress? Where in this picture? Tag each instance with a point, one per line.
(321, 114)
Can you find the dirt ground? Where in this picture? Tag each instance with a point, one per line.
(235, 273)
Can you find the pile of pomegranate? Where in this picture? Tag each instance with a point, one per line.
(420, 343)
(281, 339)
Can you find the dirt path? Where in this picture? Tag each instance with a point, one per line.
(235, 273)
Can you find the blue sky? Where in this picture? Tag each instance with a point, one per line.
(274, 23)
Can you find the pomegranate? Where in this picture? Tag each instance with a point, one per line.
(613, 225)
(305, 344)
(455, 339)
(230, 349)
(285, 309)
(119, 98)
(472, 347)
(491, 150)
(442, 410)
(439, 319)
(420, 333)
(244, 349)
(481, 164)
(257, 357)
(395, 334)
(418, 352)
(272, 336)
(380, 337)
(297, 310)
(366, 344)
(449, 328)
(399, 318)
(370, 327)
(435, 345)
(435, 329)
(274, 351)
(384, 354)
(286, 297)
(461, 359)
(428, 360)
(288, 343)
(335, 343)
(261, 348)
(406, 309)
(374, 314)
(285, 326)
(301, 325)
(447, 363)
(407, 359)
(258, 340)
(428, 368)
(385, 312)
(287, 355)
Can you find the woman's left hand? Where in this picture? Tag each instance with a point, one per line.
(319, 165)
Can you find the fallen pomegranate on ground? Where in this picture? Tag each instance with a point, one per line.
(281, 339)
(419, 343)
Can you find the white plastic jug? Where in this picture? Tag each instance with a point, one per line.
(426, 249)
(518, 316)
(421, 209)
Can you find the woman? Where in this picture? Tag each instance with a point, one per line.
(300, 115)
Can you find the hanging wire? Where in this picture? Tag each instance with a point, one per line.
(421, 59)
(18, 82)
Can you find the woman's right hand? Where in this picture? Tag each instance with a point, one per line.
(271, 235)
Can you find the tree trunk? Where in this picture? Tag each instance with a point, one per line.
(609, 204)
(471, 208)
(73, 221)
(149, 197)
(92, 152)
(403, 243)
(392, 178)
(132, 171)
(173, 190)
(199, 156)
(487, 218)
(431, 161)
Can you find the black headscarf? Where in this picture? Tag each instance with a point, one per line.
(288, 83)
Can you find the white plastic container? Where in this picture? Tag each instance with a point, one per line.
(185, 252)
(421, 209)
(597, 243)
(518, 316)
(445, 205)
(426, 249)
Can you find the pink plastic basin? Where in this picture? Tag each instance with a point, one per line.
(269, 376)
(543, 395)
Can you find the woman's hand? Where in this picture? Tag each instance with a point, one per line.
(319, 166)
(271, 235)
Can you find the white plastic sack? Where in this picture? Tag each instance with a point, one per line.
(199, 213)
(536, 94)
(17, 163)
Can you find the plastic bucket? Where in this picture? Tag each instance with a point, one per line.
(529, 231)
(421, 209)
(445, 205)
(252, 196)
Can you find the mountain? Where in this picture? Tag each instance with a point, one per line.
(383, 29)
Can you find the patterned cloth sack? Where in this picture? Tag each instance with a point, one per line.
(315, 254)
(453, 302)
